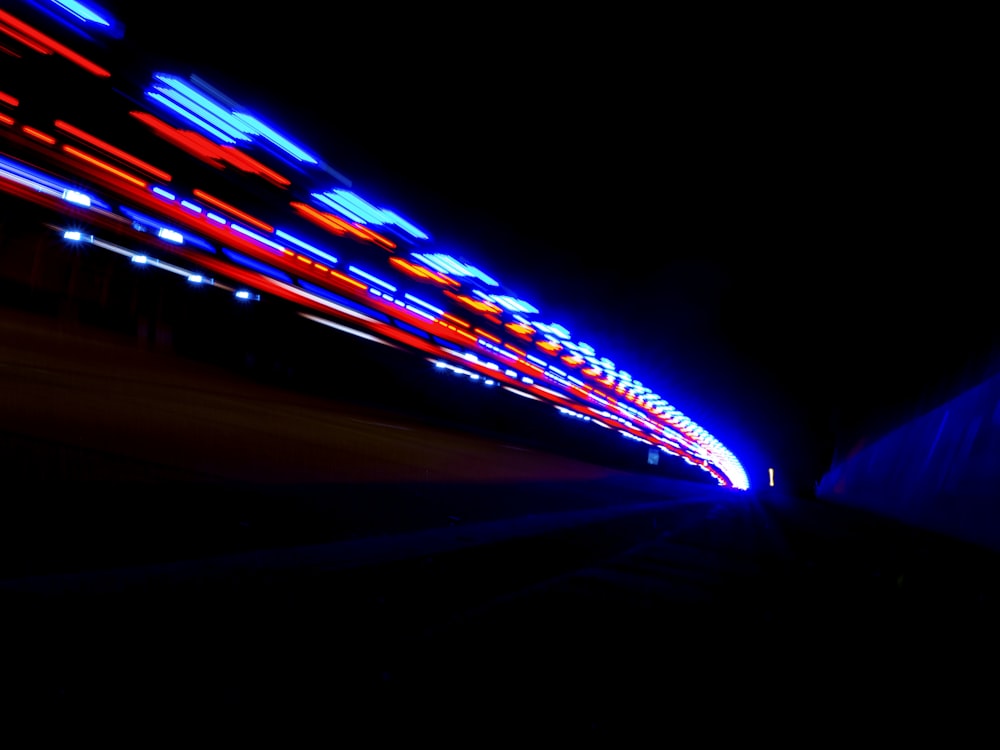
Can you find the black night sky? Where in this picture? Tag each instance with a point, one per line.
(775, 226)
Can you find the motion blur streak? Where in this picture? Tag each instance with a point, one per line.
(48, 45)
(253, 178)
(112, 150)
(104, 165)
(38, 135)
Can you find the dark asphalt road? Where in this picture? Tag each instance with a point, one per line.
(430, 582)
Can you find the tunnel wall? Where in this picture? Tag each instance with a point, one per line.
(940, 471)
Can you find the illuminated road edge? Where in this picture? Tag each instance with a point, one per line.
(346, 261)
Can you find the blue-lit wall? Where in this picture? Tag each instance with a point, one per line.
(940, 471)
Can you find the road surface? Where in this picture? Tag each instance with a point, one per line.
(180, 541)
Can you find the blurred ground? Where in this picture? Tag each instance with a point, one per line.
(179, 541)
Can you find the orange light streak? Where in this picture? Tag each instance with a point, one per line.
(340, 227)
(105, 166)
(521, 329)
(453, 319)
(38, 135)
(348, 279)
(6, 120)
(232, 210)
(475, 304)
(8, 99)
(549, 346)
(375, 237)
(52, 44)
(112, 150)
(488, 336)
(325, 220)
(423, 273)
(460, 332)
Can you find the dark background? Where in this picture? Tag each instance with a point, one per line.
(773, 221)
(776, 222)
